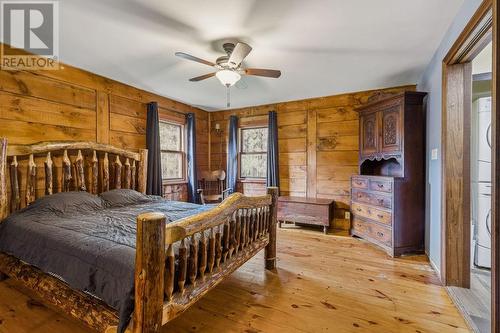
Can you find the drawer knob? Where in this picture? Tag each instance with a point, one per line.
(380, 185)
(380, 234)
(380, 201)
(358, 209)
(380, 216)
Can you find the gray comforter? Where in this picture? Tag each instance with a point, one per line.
(87, 241)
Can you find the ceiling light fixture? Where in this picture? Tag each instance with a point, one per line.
(228, 67)
(228, 77)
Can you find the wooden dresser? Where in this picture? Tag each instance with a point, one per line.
(388, 197)
(312, 211)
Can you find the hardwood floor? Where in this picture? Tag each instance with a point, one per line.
(322, 284)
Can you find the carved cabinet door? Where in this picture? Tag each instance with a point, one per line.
(391, 130)
(369, 130)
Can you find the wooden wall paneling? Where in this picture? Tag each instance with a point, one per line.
(127, 124)
(21, 132)
(293, 118)
(344, 158)
(253, 121)
(133, 141)
(336, 172)
(127, 128)
(292, 131)
(335, 129)
(102, 118)
(311, 154)
(292, 139)
(293, 159)
(30, 84)
(292, 145)
(202, 143)
(345, 142)
(32, 109)
(293, 171)
(339, 113)
(209, 141)
(127, 107)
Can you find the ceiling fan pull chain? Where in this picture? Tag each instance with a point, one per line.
(228, 96)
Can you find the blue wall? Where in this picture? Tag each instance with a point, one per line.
(431, 83)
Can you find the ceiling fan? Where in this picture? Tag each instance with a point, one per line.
(228, 67)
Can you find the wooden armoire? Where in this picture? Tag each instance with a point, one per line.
(388, 195)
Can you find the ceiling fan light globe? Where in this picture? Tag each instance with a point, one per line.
(228, 77)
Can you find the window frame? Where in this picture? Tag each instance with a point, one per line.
(240, 153)
(182, 151)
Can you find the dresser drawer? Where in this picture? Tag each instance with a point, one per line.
(374, 199)
(375, 214)
(382, 185)
(357, 182)
(372, 230)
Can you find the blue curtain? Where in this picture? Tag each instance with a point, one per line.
(192, 177)
(273, 165)
(154, 181)
(232, 154)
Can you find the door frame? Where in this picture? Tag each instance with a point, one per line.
(482, 28)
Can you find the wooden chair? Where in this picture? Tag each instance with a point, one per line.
(212, 187)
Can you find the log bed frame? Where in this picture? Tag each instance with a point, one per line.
(238, 228)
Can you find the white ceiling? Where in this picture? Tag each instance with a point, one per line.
(322, 47)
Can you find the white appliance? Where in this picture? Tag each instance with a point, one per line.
(482, 185)
(482, 255)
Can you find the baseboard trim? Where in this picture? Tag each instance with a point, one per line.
(436, 269)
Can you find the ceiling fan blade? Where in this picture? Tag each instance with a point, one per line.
(201, 77)
(193, 58)
(263, 72)
(241, 50)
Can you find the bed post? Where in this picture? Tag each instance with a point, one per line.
(3, 179)
(149, 273)
(143, 171)
(270, 252)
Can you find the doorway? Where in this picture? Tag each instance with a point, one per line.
(469, 139)
(475, 300)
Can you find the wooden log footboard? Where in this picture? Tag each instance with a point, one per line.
(211, 246)
(176, 263)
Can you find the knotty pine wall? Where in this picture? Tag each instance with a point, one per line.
(73, 104)
(318, 144)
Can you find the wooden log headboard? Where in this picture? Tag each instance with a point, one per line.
(61, 166)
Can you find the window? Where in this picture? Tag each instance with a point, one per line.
(172, 152)
(253, 152)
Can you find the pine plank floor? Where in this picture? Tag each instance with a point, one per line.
(324, 283)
